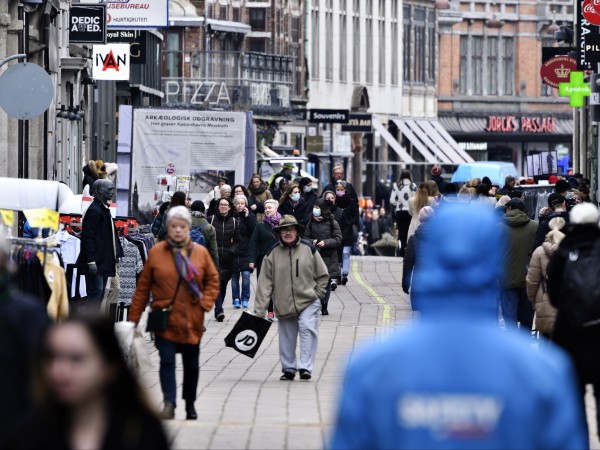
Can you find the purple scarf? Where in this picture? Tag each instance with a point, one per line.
(185, 267)
(273, 220)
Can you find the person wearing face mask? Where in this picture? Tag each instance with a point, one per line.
(247, 222)
(100, 245)
(307, 193)
(293, 204)
(324, 233)
(259, 194)
(263, 239)
(347, 218)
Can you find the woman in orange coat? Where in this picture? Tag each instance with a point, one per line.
(178, 269)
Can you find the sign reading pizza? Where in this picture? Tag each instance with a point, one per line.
(557, 69)
(111, 62)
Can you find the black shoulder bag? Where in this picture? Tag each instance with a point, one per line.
(158, 320)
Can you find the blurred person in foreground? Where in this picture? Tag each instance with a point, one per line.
(454, 379)
(181, 275)
(87, 396)
(22, 320)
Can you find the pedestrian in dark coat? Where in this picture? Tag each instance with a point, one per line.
(324, 233)
(338, 175)
(228, 239)
(259, 194)
(581, 343)
(293, 204)
(247, 222)
(307, 193)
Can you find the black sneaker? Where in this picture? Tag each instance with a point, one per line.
(344, 279)
(324, 311)
(333, 285)
(305, 374)
(220, 317)
(287, 376)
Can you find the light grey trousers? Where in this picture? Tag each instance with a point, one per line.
(307, 326)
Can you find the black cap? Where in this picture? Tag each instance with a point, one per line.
(562, 186)
(198, 206)
(555, 199)
(516, 203)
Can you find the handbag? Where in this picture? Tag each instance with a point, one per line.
(158, 319)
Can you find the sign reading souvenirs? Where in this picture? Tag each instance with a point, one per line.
(135, 13)
(111, 62)
(512, 124)
(359, 123)
(576, 89)
(136, 40)
(328, 116)
(556, 70)
(87, 24)
(585, 29)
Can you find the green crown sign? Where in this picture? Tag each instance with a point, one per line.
(575, 89)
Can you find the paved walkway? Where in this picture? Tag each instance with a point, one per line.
(241, 402)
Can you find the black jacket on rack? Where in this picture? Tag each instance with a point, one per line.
(99, 240)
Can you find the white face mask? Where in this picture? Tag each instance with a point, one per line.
(295, 197)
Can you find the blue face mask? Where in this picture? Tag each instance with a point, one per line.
(295, 197)
(307, 189)
(316, 212)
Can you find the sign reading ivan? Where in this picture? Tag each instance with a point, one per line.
(201, 145)
(87, 24)
(111, 62)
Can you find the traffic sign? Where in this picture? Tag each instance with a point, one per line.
(26, 91)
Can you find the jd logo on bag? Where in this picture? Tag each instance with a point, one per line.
(247, 334)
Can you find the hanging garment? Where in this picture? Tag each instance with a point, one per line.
(58, 305)
(131, 266)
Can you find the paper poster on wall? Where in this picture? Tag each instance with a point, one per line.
(201, 145)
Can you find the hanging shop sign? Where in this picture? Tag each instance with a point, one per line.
(525, 124)
(328, 116)
(592, 48)
(136, 40)
(111, 62)
(359, 123)
(585, 28)
(557, 69)
(576, 89)
(589, 13)
(87, 24)
(135, 13)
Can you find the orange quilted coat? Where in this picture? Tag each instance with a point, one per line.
(160, 277)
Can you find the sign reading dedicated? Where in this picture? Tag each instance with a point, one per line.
(135, 13)
(111, 62)
(87, 24)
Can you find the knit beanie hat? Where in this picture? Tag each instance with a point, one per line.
(198, 206)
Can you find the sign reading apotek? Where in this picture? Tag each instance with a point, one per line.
(576, 89)
(111, 62)
(87, 24)
(328, 115)
(359, 123)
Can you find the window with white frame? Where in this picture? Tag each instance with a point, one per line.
(432, 45)
(369, 38)
(329, 39)
(394, 46)
(315, 39)
(342, 40)
(382, 42)
(487, 65)
(356, 62)
(419, 45)
(407, 39)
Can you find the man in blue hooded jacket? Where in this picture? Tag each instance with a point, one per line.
(455, 380)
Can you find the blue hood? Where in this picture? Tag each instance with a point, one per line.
(461, 263)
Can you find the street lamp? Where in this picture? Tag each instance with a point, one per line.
(494, 22)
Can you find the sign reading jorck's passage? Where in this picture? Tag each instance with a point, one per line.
(111, 62)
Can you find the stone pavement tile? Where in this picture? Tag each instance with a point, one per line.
(231, 436)
(305, 438)
(267, 437)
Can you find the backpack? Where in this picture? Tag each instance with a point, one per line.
(197, 236)
(580, 286)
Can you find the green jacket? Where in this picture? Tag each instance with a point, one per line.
(263, 239)
(519, 232)
(301, 276)
(210, 236)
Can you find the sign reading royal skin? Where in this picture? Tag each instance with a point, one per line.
(136, 40)
(135, 13)
(111, 62)
(87, 24)
(201, 145)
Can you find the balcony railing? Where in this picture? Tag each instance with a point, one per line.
(256, 81)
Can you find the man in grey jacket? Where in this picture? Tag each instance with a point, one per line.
(302, 279)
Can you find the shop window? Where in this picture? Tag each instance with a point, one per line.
(172, 54)
(258, 18)
(223, 12)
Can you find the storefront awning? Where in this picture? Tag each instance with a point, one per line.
(392, 142)
(187, 21)
(227, 26)
(432, 141)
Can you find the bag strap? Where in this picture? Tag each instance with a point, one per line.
(176, 290)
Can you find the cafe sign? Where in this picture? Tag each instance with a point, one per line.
(526, 124)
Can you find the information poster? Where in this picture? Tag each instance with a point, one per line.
(201, 145)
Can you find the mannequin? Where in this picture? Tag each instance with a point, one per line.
(100, 245)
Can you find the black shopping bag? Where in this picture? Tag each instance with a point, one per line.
(247, 334)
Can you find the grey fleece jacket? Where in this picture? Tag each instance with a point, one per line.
(293, 277)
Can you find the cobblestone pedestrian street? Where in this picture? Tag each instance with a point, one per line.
(241, 402)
